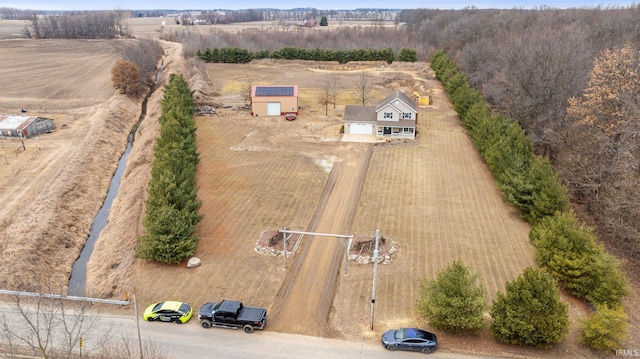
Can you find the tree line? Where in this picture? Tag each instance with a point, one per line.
(236, 55)
(171, 209)
(296, 14)
(83, 25)
(277, 37)
(565, 247)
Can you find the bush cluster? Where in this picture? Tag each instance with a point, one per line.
(605, 329)
(565, 247)
(237, 55)
(569, 251)
(171, 212)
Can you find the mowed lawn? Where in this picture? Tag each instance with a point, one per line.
(438, 202)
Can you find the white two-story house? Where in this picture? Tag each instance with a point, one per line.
(395, 116)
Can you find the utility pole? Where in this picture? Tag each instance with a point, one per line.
(284, 236)
(375, 270)
(135, 306)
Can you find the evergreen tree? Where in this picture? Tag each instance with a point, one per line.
(530, 312)
(407, 55)
(453, 301)
(171, 209)
(549, 195)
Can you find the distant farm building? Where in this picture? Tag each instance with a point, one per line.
(274, 100)
(20, 126)
(308, 23)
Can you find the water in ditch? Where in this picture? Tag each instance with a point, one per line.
(79, 270)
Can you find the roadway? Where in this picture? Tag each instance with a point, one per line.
(192, 341)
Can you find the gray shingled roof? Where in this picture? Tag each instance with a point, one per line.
(397, 94)
(360, 113)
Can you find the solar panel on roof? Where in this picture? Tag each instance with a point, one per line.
(274, 91)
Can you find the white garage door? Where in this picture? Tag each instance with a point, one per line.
(361, 129)
(273, 108)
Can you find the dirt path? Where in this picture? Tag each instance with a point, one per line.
(310, 284)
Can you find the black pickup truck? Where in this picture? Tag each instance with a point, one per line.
(232, 314)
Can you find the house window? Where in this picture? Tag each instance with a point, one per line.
(406, 115)
(388, 115)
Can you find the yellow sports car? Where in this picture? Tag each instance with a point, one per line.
(168, 311)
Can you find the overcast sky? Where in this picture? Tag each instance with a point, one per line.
(289, 4)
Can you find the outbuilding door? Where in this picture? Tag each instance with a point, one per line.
(361, 129)
(273, 108)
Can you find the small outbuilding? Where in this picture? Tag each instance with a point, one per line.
(274, 100)
(20, 126)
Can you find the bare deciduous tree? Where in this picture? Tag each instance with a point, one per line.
(363, 87)
(330, 90)
(334, 88)
(49, 327)
(146, 55)
(52, 326)
(325, 97)
(85, 25)
(247, 87)
(603, 166)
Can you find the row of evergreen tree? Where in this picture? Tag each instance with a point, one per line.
(566, 248)
(171, 212)
(237, 55)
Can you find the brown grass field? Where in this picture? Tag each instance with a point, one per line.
(433, 198)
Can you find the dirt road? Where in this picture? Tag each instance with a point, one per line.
(310, 284)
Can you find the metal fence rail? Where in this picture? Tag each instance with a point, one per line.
(65, 297)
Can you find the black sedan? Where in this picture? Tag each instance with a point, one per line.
(410, 339)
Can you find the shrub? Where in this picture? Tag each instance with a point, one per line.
(567, 248)
(453, 301)
(407, 55)
(530, 312)
(605, 282)
(564, 247)
(605, 328)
